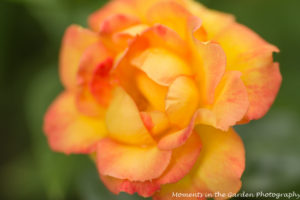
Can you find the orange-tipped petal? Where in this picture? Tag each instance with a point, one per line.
(176, 139)
(124, 122)
(102, 83)
(144, 189)
(74, 43)
(131, 162)
(87, 104)
(245, 49)
(161, 66)
(221, 162)
(219, 167)
(64, 126)
(116, 23)
(262, 86)
(117, 30)
(158, 37)
(96, 61)
(182, 101)
(183, 160)
(230, 105)
(184, 186)
(247, 52)
(116, 7)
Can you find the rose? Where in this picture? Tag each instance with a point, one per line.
(154, 88)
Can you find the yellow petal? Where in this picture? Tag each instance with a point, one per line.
(130, 162)
(124, 122)
(68, 130)
(221, 162)
(148, 87)
(182, 101)
(161, 66)
(219, 167)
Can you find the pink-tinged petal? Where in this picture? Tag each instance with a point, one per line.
(147, 120)
(161, 66)
(178, 138)
(74, 43)
(101, 84)
(116, 7)
(219, 167)
(245, 49)
(182, 161)
(116, 23)
(230, 105)
(159, 37)
(144, 189)
(87, 104)
(118, 30)
(124, 122)
(249, 53)
(68, 130)
(182, 101)
(175, 190)
(262, 85)
(131, 162)
(94, 57)
(158, 122)
(94, 69)
(156, 37)
(221, 162)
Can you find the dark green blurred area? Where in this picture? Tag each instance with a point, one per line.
(30, 35)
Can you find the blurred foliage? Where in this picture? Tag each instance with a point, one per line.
(30, 35)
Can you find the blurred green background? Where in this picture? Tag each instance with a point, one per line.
(30, 36)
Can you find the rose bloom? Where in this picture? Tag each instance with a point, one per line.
(152, 90)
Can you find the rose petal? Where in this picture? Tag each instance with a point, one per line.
(230, 105)
(183, 160)
(131, 162)
(214, 22)
(242, 45)
(221, 162)
(159, 37)
(176, 139)
(68, 130)
(262, 86)
(124, 122)
(121, 7)
(161, 66)
(144, 189)
(74, 43)
(160, 122)
(209, 66)
(116, 23)
(95, 58)
(170, 14)
(182, 101)
(148, 87)
(218, 169)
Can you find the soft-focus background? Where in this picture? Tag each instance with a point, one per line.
(30, 35)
